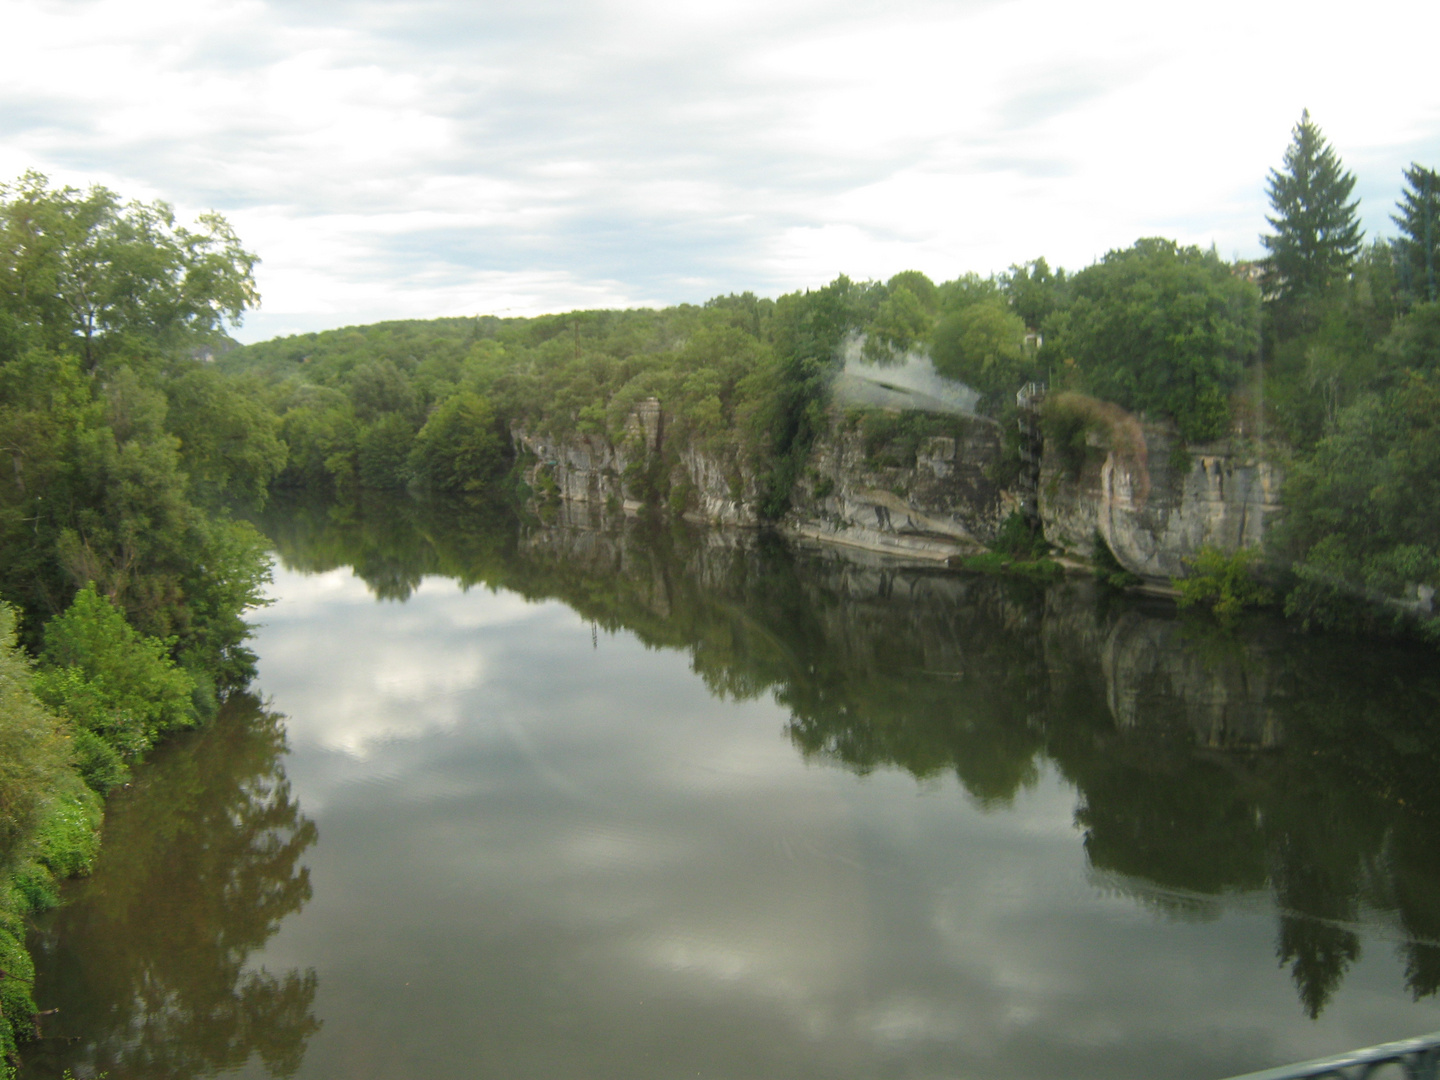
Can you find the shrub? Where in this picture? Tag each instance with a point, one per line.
(110, 679)
(1108, 568)
(34, 753)
(1223, 583)
(1021, 537)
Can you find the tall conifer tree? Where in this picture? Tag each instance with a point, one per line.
(1317, 233)
(1419, 246)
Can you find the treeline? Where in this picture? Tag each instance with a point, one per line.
(123, 575)
(1324, 356)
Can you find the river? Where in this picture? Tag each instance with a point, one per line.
(552, 800)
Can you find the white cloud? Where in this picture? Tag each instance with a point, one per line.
(448, 158)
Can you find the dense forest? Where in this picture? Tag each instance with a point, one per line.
(131, 457)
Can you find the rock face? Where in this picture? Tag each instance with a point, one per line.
(644, 467)
(1156, 504)
(579, 468)
(1159, 503)
(943, 504)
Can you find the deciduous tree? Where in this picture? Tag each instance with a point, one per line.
(84, 269)
(1163, 329)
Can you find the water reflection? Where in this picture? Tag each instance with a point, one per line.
(147, 962)
(1208, 766)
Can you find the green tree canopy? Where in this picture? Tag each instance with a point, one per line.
(1317, 232)
(459, 448)
(1418, 248)
(1364, 510)
(920, 284)
(901, 322)
(1165, 330)
(110, 679)
(1035, 291)
(982, 345)
(84, 269)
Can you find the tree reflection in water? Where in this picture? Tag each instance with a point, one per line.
(1206, 764)
(201, 863)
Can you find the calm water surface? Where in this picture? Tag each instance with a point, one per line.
(573, 802)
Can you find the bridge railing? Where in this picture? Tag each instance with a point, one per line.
(1409, 1059)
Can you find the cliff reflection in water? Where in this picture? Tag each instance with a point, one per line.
(199, 868)
(1207, 765)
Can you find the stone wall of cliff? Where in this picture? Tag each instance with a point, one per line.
(646, 465)
(943, 504)
(1153, 500)
(1157, 502)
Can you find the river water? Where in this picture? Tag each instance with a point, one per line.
(558, 801)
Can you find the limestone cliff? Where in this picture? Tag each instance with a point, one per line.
(1157, 502)
(644, 467)
(941, 503)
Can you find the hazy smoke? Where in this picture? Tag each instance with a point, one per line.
(908, 382)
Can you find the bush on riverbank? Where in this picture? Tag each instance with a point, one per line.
(1223, 584)
(49, 822)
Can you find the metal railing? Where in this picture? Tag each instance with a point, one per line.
(1417, 1059)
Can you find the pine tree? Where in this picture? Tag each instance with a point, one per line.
(1317, 233)
(1418, 249)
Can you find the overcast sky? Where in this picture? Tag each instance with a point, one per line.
(513, 157)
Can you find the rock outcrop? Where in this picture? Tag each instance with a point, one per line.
(1159, 502)
(644, 467)
(1154, 501)
(943, 504)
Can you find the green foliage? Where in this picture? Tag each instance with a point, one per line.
(230, 446)
(1347, 347)
(109, 679)
(1223, 584)
(1418, 248)
(901, 322)
(1363, 522)
(1068, 429)
(88, 272)
(809, 328)
(1021, 537)
(96, 492)
(1035, 292)
(1413, 343)
(460, 448)
(1162, 329)
(892, 439)
(1079, 428)
(1108, 568)
(968, 289)
(34, 753)
(49, 824)
(982, 345)
(1317, 231)
(383, 451)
